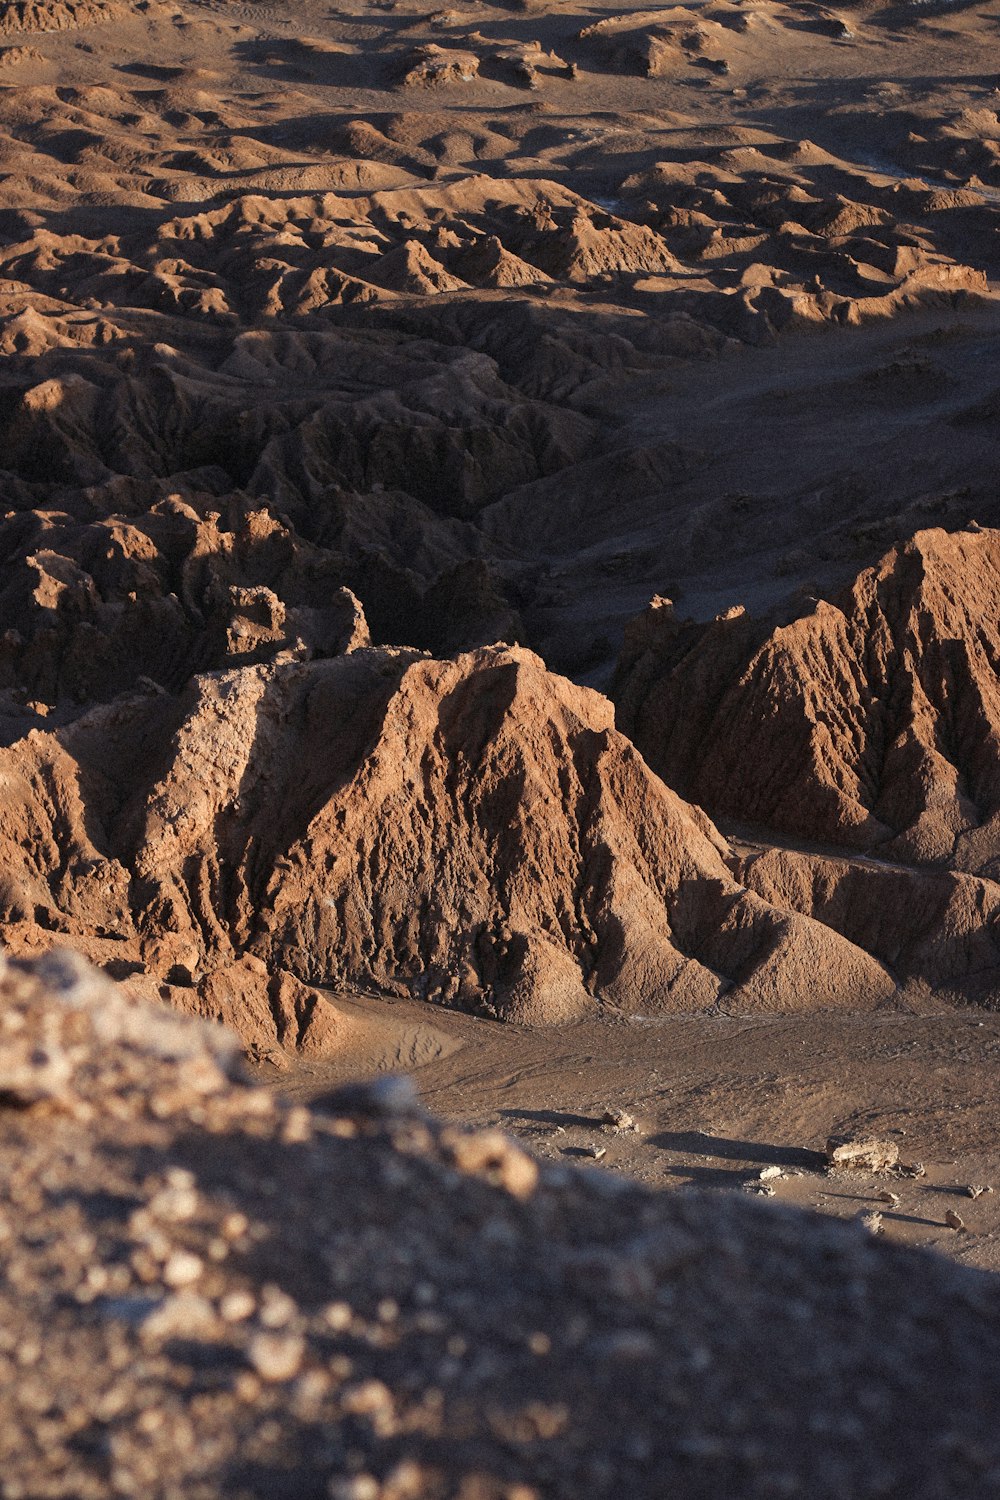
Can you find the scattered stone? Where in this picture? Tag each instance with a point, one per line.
(955, 1221)
(872, 1221)
(237, 1306)
(182, 1268)
(354, 1487)
(277, 1309)
(494, 1156)
(891, 1198)
(183, 1315)
(769, 1174)
(911, 1169)
(976, 1190)
(338, 1316)
(386, 1285)
(597, 1152)
(618, 1120)
(276, 1356)
(862, 1153)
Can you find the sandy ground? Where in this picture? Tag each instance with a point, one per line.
(717, 1099)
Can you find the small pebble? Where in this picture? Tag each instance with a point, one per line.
(872, 1220)
(276, 1307)
(955, 1221)
(182, 1268)
(183, 1315)
(891, 1198)
(234, 1226)
(354, 1487)
(338, 1316)
(237, 1306)
(976, 1190)
(276, 1356)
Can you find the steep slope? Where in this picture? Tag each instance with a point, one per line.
(472, 831)
(935, 928)
(88, 609)
(871, 721)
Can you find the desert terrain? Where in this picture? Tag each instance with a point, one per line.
(501, 585)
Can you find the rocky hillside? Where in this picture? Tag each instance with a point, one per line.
(871, 720)
(472, 831)
(336, 353)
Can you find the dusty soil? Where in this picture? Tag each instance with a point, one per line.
(209, 1293)
(717, 1099)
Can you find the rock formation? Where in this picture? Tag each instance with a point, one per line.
(470, 831)
(374, 336)
(871, 720)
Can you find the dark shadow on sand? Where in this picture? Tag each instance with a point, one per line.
(551, 1117)
(711, 1177)
(697, 1143)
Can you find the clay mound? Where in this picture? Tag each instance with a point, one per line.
(87, 611)
(486, 263)
(357, 1300)
(472, 832)
(934, 929)
(810, 238)
(960, 145)
(871, 721)
(56, 15)
(590, 244)
(362, 139)
(655, 44)
(412, 269)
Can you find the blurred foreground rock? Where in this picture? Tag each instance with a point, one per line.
(207, 1293)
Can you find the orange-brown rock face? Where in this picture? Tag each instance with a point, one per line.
(89, 608)
(871, 721)
(332, 355)
(935, 929)
(470, 831)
